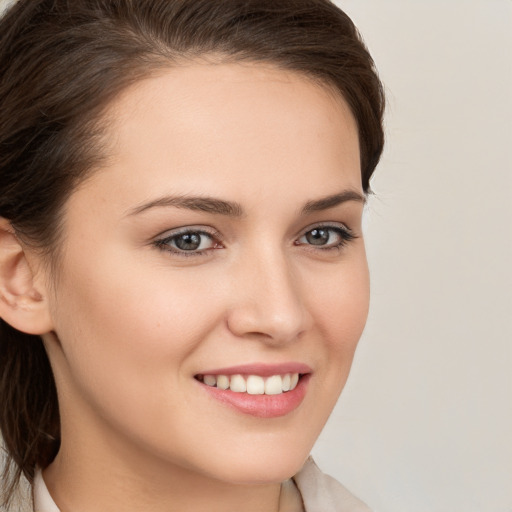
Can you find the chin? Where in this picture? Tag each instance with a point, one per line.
(264, 473)
(263, 465)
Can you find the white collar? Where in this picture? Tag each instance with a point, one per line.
(43, 502)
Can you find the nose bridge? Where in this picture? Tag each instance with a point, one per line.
(268, 295)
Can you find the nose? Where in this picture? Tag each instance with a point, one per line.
(268, 300)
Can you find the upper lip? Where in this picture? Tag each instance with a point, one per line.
(262, 369)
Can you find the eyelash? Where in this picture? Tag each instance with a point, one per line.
(345, 236)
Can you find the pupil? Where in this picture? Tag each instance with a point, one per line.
(317, 237)
(188, 241)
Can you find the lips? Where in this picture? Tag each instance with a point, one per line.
(259, 390)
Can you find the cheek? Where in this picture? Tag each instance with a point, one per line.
(340, 308)
(338, 302)
(341, 304)
(119, 324)
(128, 337)
(131, 303)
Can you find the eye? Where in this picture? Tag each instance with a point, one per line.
(188, 242)
(326, 237)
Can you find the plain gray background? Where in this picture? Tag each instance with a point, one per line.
(425, 422)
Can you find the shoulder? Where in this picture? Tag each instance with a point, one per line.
(322, 493)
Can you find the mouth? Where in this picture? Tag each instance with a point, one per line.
(258, 390)
(253, 384)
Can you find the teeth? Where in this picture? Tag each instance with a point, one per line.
(254, 384)
(238, 384)
(274, 385)
(210, 380)
(223, 382)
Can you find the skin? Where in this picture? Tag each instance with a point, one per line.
(132, 323)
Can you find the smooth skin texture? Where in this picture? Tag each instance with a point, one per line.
(134, 318)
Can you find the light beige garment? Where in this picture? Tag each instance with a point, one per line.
(309, 491)
(290, 498)
(322, 493)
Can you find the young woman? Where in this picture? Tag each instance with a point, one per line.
(183, 279)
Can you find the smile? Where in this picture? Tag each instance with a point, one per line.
(264, 391)
(253, 384)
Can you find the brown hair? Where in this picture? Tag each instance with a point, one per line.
(61, 63)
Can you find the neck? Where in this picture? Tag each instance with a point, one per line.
(82, 489)
(85, 479)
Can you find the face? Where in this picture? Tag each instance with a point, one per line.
(221, 246)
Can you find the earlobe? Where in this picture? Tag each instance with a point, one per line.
(23, 304)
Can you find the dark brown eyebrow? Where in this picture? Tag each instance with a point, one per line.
(202, 204)
(233, 209)
(331, 201)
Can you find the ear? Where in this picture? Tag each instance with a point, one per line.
(23, 302)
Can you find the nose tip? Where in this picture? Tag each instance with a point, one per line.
(252, 321)
(269, 306)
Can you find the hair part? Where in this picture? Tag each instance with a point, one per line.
(62, 63)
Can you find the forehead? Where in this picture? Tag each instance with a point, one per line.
(230, 129)
(202, 112)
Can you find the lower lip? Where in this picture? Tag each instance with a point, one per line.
(261, 406)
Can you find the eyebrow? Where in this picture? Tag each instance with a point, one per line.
(233, 209)
(331, 201)
(197, 203)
